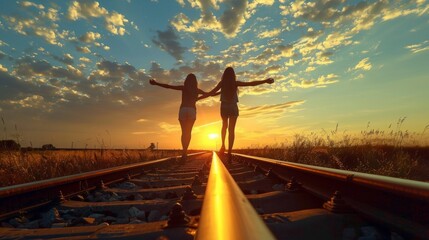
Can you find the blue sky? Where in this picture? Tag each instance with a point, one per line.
(77, 71)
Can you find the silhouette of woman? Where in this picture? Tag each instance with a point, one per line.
(187, 111)
(228, 107)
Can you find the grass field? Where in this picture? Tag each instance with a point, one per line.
(18, 167)
(391, 152)
(407, 162)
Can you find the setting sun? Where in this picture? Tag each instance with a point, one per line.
(213, 135)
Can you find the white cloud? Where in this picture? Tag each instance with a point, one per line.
(420, 47)
(181, 2)
(363, 64)
(3, 43)
(269, 33)
(26, 26)
(34, 101)
(85, 9)
(90, 37)
(31, 4)
(114, 22)
(83, 49)
(51, 14)
(321, 81)
(310, 69)
(3, 69)
(84, 59)
(229, 22)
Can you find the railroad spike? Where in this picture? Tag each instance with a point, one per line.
(293, 185)
(60, 197)
(101, 185)
(177, 216)
(188, 194)
(336, 204)
(197, 181)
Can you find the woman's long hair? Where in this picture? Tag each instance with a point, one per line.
(229, 85)
(191, 86)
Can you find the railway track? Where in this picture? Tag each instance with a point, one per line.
(206, 198)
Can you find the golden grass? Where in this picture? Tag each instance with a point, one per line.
(391, 152)
(18, 167)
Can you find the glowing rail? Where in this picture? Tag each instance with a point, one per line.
(226, 212)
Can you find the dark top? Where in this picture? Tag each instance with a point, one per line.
(189, 98)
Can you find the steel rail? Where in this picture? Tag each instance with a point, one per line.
(23, 197)
(401, 204)
(226, 212)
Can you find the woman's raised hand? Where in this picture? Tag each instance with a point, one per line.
(152, 81)
(269, 80)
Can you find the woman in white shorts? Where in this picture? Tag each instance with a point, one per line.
(228, 87)
(187, 111)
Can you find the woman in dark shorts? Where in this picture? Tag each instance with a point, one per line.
(228, 87)
(187, 111)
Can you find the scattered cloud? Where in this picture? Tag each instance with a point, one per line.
(169, 41)
(31, 68)
(181, 2)
(31, 26)
(66, 59)
(227, 19)
(83, 49)
(35, 101)
(85, 10)
(31, 4)
(233, 17)
(269, 33)
(200, 47)
(363, 64)
(90, 37)
(321, 81)
(167, 127)
(274, 110)
(419, 47)
(85, 60)
(114, 21)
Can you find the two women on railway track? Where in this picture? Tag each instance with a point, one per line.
(228, 90)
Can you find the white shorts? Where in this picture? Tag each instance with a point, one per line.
(187, 113)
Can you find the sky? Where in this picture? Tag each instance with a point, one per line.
(75, 73)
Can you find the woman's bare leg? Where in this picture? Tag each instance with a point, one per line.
(186, 126)
(223, 133)
(231, 133)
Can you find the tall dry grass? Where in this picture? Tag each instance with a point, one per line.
(18, 167)
(391, 152)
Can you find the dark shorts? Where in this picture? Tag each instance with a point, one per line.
(187, 113)
(228, 109)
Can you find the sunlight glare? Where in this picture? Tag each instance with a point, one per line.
(213, 136)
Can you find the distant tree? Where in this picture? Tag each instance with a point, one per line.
(48, 147)
(152, 146)
(9, 145)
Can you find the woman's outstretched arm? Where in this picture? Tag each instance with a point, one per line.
(215, 89)
(254, 83)
(153, 82)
